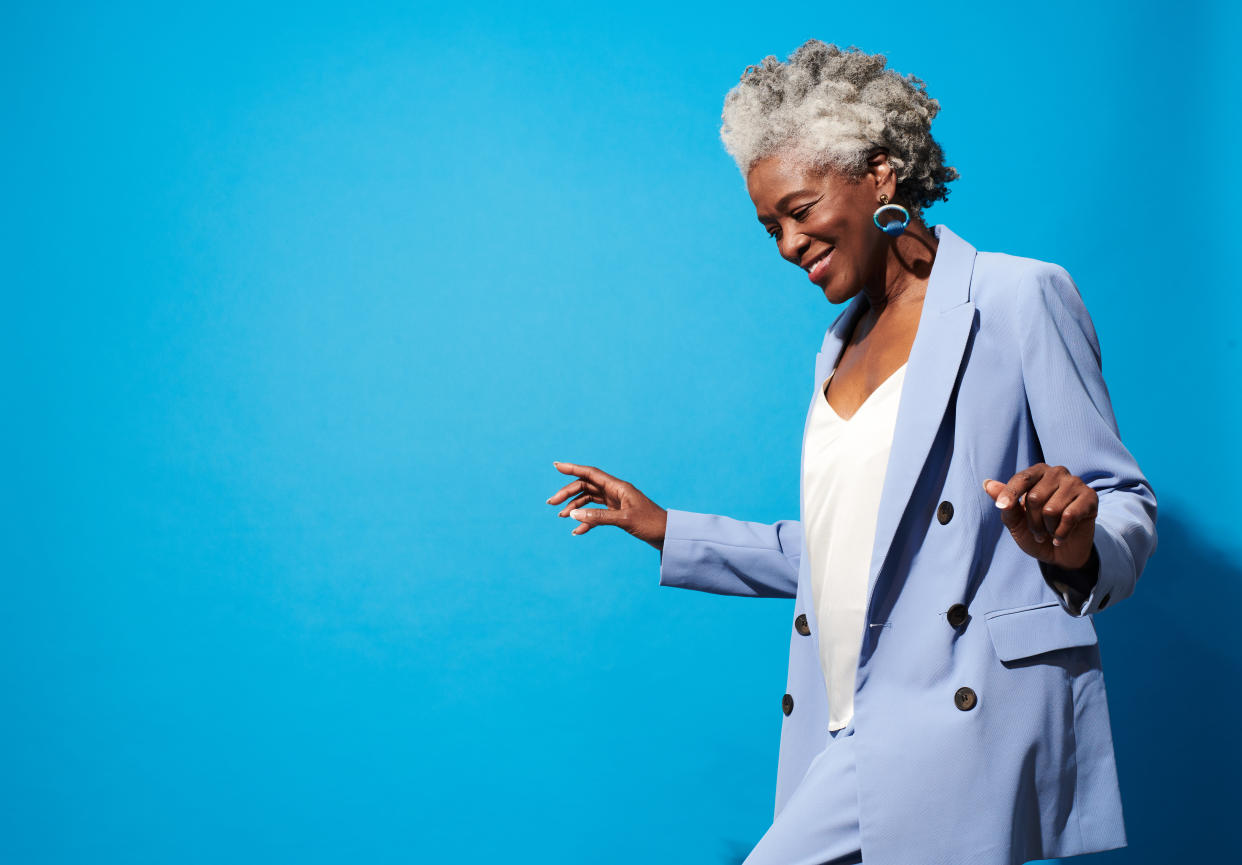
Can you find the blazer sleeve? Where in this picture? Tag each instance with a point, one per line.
(725, 556)
(1076, 427)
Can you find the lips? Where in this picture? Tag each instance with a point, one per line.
(819, 268)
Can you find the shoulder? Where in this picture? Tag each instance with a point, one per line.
(1013, 285)
(1036, 302)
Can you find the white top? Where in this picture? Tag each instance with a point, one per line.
(843, 475)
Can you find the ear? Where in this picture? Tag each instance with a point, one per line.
(882, 174)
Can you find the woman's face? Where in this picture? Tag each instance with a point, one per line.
(822, 221)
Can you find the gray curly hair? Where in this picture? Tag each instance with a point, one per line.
(835, 109)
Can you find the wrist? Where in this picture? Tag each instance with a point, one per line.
(1081, 580)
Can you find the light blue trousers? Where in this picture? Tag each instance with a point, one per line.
(819, 823)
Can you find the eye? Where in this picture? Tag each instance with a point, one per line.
(801, 212)
(774, 233)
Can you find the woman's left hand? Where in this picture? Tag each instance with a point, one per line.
(1049, 512)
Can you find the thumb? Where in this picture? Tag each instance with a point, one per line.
(590, 517)
(1013, 513)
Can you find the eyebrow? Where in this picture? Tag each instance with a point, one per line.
(785, 199)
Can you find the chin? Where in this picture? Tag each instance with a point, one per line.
(835, 294)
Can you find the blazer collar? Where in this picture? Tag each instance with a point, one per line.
(931, 375)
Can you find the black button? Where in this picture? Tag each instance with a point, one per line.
(944, 513)
(1103, 602)
(787, 704)
(958, 615)
(965, 699)
(801, 626)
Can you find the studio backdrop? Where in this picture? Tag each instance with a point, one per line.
(301, 301)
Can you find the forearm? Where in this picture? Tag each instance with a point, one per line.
(724, 556)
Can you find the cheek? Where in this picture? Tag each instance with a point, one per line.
(859, 250)
(856, 241)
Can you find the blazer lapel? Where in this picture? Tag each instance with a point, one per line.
(834, 341)
(825, 361)
(935, 360)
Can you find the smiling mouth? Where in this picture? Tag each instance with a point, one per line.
(819, 266)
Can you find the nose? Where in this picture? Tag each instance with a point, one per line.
(792, 246)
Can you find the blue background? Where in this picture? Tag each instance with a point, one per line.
(301, 302)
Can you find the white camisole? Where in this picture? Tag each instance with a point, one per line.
(843, 476)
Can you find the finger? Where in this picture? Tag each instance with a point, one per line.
(579, 502)
(1056, 505)
(601, 482)
(578, 486)
(1038, 496)
(1082, 509)
(590, 473)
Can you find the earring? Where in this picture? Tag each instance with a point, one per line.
(898, 224)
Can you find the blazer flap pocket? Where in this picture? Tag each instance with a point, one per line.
(1023, 632)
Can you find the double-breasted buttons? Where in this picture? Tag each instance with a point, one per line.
(1103, 602)
(965, 699)
(804, 629)
(787, 704)
(944, 513)
(958, 615)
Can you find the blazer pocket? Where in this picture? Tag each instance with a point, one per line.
(1023, 632)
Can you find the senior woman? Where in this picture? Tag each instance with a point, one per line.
(966, 504)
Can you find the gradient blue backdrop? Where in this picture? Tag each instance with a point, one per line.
(301, 302)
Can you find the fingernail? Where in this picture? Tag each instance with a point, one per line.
(1039, 539)
(1002, 502)
(549, 500)
(1056, 542)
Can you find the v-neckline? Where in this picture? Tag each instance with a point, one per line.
(824, 390)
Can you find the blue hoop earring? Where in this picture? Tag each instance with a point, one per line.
(896, 226)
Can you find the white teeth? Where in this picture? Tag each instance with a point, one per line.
(818, 260)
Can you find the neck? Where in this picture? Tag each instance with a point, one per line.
(903, 272)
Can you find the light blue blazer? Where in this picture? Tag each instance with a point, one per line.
(1004, 373)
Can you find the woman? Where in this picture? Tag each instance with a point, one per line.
(966, 504)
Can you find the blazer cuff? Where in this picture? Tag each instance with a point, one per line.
(679, 560)
(1091, 588)
(1074, 585)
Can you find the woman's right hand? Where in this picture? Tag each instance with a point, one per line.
(624, 506)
